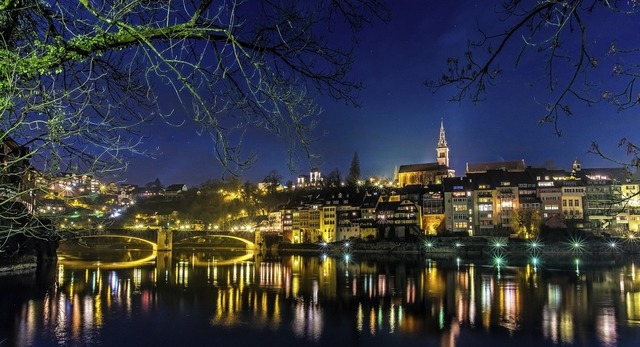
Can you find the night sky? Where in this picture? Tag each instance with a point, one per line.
(399, 120)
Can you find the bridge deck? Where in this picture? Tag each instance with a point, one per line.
(151, 235)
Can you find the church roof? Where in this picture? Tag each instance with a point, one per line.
(422, 167)
(616, 174)
(176, 187)
(516, 165)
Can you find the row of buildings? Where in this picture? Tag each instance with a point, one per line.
(491, 199)
(500, 198)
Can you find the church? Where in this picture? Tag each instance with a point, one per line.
(428, 173)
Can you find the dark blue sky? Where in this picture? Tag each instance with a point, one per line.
(398, 122)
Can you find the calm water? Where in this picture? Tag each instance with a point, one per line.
(206, 297)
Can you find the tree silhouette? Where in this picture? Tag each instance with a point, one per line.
(334, 179)
(354, 170)
(273, 180)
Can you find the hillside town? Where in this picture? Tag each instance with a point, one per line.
(505, 198)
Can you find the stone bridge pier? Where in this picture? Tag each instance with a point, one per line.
(165, 240)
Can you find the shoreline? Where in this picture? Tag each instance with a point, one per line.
(472, 249)
(18, 266)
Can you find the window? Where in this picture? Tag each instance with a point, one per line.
(506, 204)
(459, 216)
(577, 203)
(485, 207)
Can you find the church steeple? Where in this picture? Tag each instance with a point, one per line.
(442, 142)
(442, 151)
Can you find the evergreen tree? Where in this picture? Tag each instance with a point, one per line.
(354, 169)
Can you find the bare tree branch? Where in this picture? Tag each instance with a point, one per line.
(556, 30)
(81, 80)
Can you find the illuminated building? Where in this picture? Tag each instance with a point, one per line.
(457, 197)
(348, 226)
(573, 192)
(328, 223)
(488, 197)
(610, 198)
(368, 217)
(296, 235)
(433, 211)
(492, 197)
(175, 191)
(73, 185)
(398, 219)
(313, 180)
(428, 173)
(630, 193)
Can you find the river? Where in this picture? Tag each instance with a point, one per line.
(203, 297)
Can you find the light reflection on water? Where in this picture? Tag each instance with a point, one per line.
(243, 297)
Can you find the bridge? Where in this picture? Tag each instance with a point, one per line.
(164, 240)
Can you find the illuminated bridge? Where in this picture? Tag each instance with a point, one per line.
(165, 240)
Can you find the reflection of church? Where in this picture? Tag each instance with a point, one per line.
(428, 173)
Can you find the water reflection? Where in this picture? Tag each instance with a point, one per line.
(328, 300)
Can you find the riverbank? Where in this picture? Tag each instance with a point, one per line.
(32, 253)
(469, 247)
(18, 265)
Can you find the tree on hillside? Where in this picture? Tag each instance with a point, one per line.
(81, 81)
(272, 180)
(354, 170)
(583, 61)
(334, 179)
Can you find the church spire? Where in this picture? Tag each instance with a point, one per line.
(442, 151)
(442, 142)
